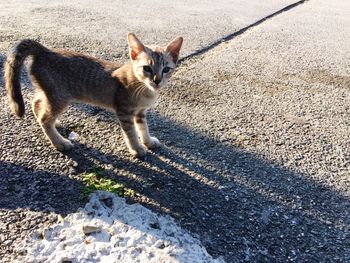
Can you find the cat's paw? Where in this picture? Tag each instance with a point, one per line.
(152, 143)
(140, 152)
(64, 145)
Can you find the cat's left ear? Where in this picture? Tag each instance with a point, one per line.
(173, 48)
(135, 46)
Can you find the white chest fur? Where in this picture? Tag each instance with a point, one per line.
(145, 102)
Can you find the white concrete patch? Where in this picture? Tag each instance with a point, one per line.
(115, 232)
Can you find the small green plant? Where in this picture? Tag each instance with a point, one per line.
(93, 181)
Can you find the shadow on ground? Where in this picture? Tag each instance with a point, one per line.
(20, 186)
(241, 206)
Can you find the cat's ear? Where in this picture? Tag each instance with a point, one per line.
(173, 48)
(135, 46)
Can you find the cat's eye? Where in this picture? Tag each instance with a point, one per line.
(166, 69)
(147, 69)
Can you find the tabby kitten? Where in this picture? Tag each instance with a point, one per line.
(62, 77)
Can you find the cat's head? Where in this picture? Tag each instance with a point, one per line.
(153, 66)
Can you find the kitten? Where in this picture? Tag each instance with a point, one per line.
(62, 77)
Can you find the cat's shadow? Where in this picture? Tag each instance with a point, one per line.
(233, 200)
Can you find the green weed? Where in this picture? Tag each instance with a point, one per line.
(93, 181)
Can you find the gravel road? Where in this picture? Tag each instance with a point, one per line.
(257, 155)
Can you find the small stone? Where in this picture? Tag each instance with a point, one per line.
(295, 119)
(108, 202)
(242, 138)
(75, 164)
(109, 167)
(60, 218)
(73, 136)
(155, 225)
(66, 260)
(159, 244)
(88, 241)
(87, 229)
(7, 242)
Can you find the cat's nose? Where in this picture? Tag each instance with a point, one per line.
(156, 80)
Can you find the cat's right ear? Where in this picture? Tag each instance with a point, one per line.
(135, 46)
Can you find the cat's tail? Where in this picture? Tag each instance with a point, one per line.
(12, 75)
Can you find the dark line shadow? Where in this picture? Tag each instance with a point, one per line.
(239, 32)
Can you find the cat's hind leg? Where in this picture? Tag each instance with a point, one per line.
(46, 114)
(36, 106)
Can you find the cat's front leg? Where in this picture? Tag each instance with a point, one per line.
(142, 127)
(130, 135)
